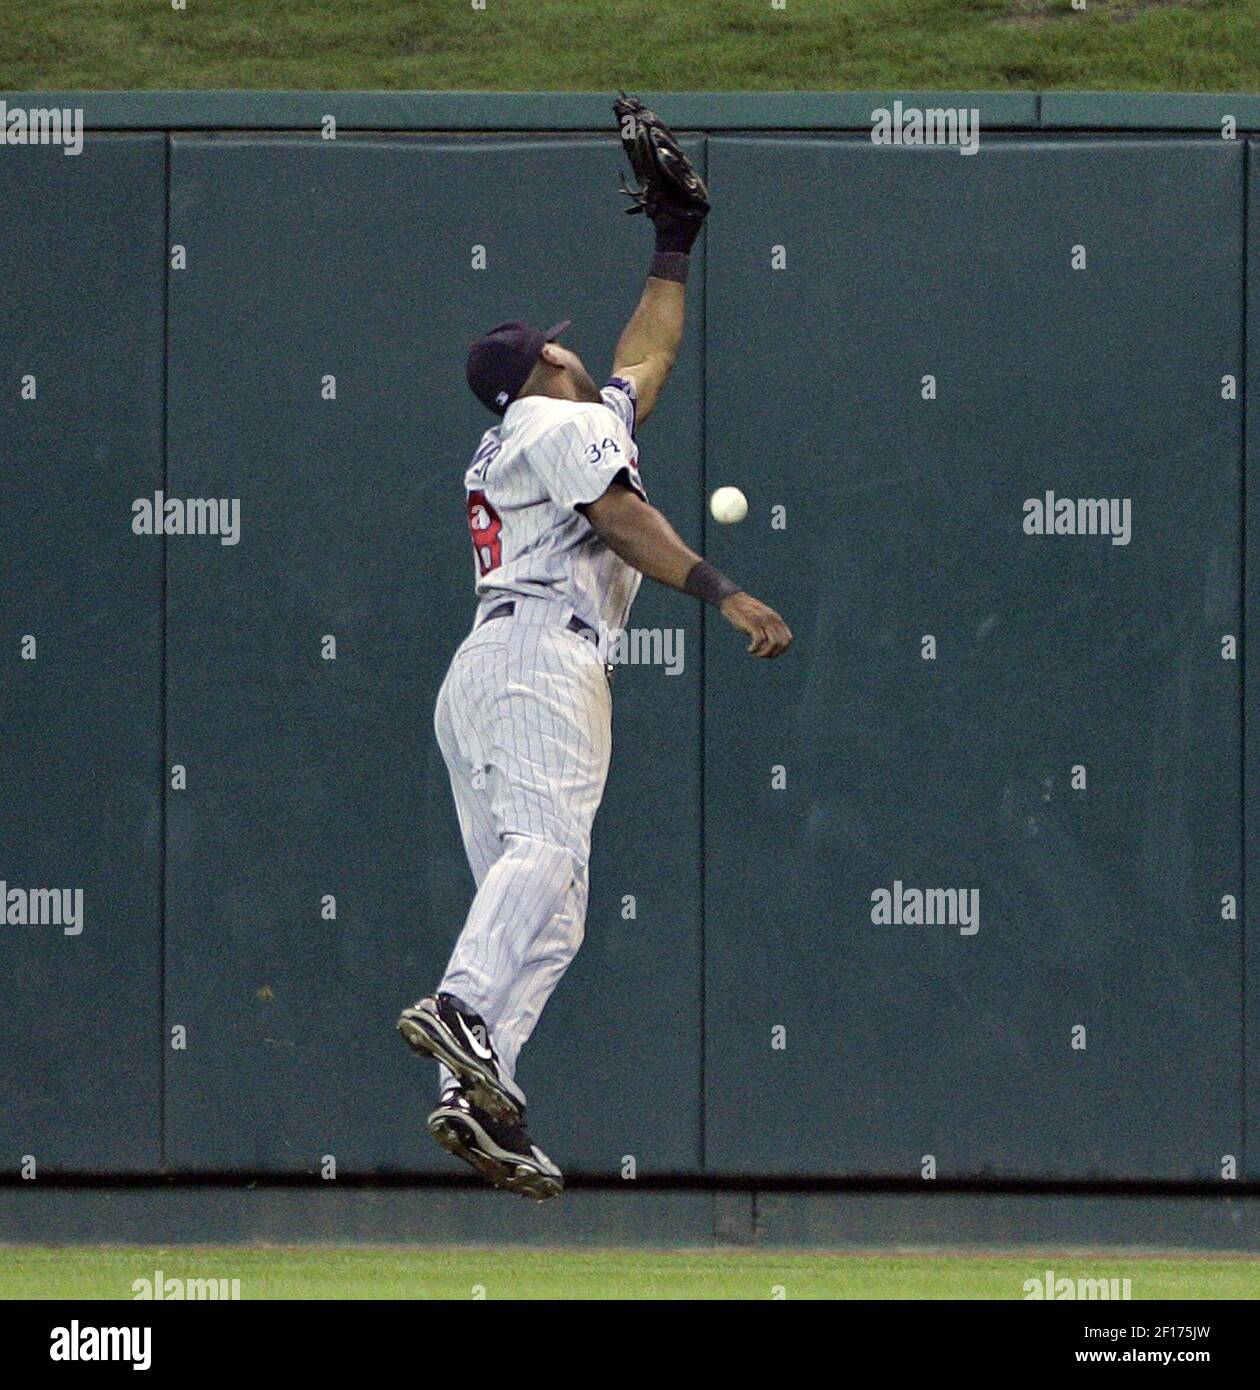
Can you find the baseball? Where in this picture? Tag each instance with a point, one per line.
(728, 505)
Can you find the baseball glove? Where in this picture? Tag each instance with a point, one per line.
(668, 189)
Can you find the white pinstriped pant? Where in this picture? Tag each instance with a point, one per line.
(524, 722)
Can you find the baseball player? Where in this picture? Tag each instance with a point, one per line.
(562, 533)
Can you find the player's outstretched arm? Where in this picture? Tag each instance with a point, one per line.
(673, 196)
(648, 346)
(643, 537)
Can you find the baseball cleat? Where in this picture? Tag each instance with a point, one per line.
(502, 1153)
(446, 1029)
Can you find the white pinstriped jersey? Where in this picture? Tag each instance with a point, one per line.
(526, 480)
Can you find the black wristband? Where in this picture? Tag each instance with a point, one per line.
(676, 229)
(706, 582)
(670, 265)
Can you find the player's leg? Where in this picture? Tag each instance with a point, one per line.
(443, 1028)
(501, 1152)
(548, 743)
(545, 745)
(541, 968)
(455, 725)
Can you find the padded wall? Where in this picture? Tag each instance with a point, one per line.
(82, 268)
(1066, 747)
(1071, 748)
(311, 777)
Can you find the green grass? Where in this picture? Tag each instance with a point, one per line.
(397, 1272)
(573, 45)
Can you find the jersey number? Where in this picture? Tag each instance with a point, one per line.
(487, 532)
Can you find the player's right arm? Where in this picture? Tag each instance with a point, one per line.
(643, 537)
(648, 346)
(675, 200)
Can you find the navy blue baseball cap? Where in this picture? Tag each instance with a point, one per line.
(500, 361)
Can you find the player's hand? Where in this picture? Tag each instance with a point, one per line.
(770, 635)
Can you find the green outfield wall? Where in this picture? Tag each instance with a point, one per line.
(897, 352)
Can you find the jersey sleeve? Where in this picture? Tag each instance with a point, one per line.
(622, 399)
(578, 459)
